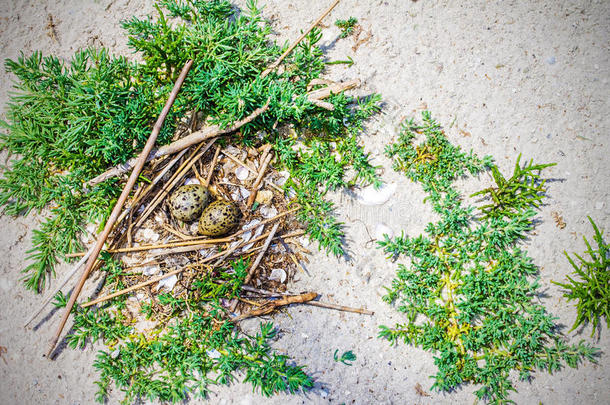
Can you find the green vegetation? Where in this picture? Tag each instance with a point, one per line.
(69, 121)
(346, 26)
(346, 358)
(589, 284)
(173, 360)
(467, 289)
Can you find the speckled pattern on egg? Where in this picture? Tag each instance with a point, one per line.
(219, 218)
(187, 202)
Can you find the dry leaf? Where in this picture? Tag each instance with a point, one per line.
(559, 222)
(420, 391)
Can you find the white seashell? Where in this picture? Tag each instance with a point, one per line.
(192, 180)
(371, 196)
(284, 175)
(245, 193)
(246, 236)
(382, 229)
(235, 196)
(241, 173)
(251, 224)
(259, 231)
(115, 353)
(148, 234)
(168, 282)
(150, 270)
(278, 275)
(213, 353)
(268, 212)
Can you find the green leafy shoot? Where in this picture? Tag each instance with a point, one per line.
(346, 358)
(589, 285)
(466, 288)
(523, 189)
(346, 26)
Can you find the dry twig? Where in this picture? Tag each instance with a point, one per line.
(270, 306)
(116, 211)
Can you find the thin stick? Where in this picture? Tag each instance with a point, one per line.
(239, 162)
(295, 43)
(261, 254)
(211, 172)
(335, 88)
(195, 241)
(259, 178)
(203, 134)
(116, 211)
(171, 273)
(340, 307)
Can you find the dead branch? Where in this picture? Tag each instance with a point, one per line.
(182, 143)
(270, 306)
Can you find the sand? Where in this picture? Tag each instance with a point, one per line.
(513, 76)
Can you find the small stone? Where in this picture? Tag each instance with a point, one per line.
(5, 284)
(551, 60)
(599, 205)
(264, 197)
(115, 353)
(323, 393)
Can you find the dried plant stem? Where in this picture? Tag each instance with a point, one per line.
(335, 88)
(116, 211)
(177, 271)
(212, 166)
(239, 162)
(270, 306)
(340, 307)
(261, 254)
(295, 43)
(198, 240)
(261, 173)
(181, 144)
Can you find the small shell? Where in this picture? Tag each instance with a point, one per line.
(241, 173)
(219, 218)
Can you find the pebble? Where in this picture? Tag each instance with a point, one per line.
(264, 197)
(599, 205)
(551, 60)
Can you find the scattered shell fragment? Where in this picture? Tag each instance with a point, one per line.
(371, 196)
(168, 282)
(149, 270)
(245, 193)
(241, 173)
(278, 275)
(147, 234)
(382, 229)
(268, 212)
(192, 180)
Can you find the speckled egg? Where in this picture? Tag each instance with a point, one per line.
(219, 218)
(187, 202)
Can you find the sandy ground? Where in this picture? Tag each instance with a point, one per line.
(515, 76)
